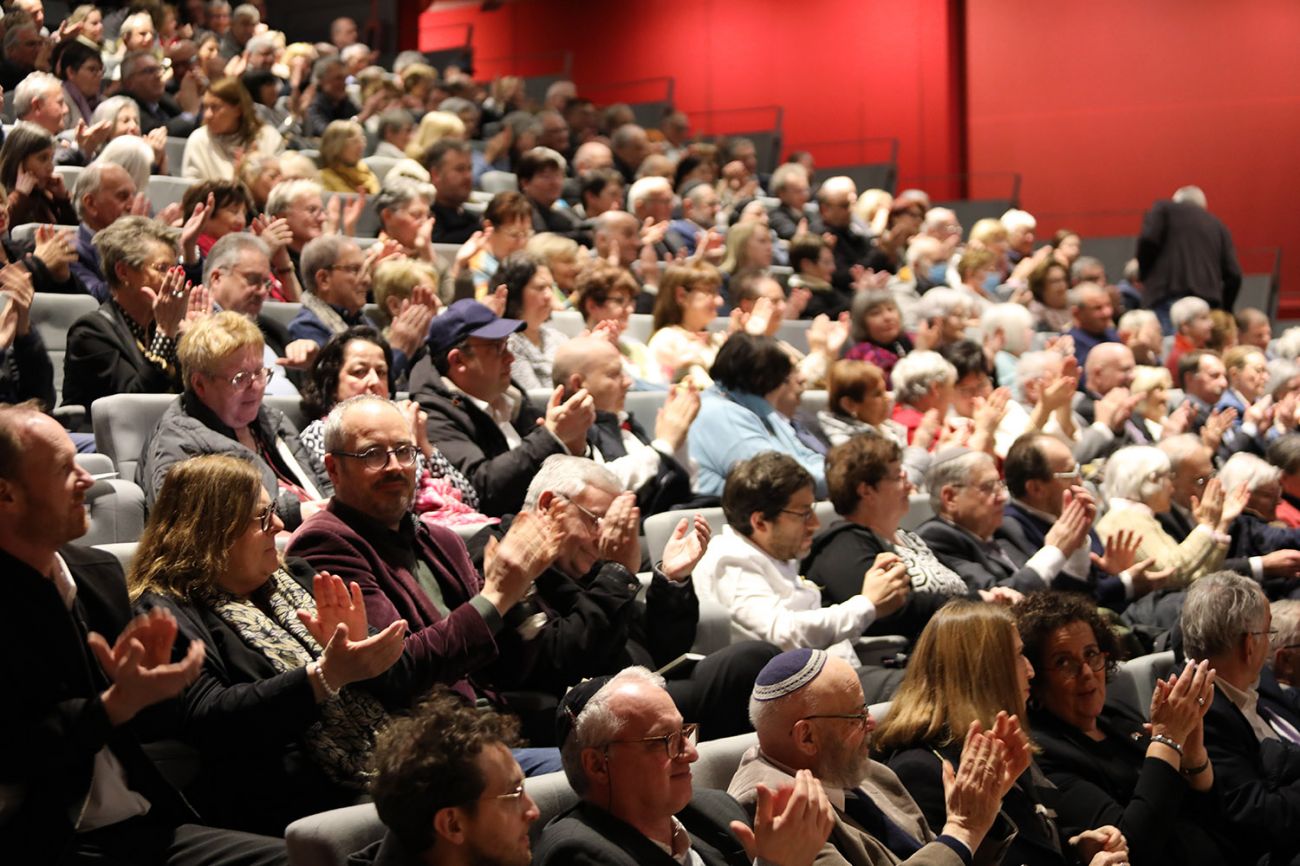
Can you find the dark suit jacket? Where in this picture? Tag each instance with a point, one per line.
(1112, 782)
(476, 446)
(851, 248)
(560, 221)
(447, 649)
(1252, 535)
(958, 549)
(587, 834)
(1022, 534)
(1179, 527)
(26, 372)
(248, 722)
(1260, 782)
(54, 723)
(453, 226)
(103, 358)
(166, 113)
(671, 486)
(1185, 250)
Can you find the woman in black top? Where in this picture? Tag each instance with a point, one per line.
(1157, 787)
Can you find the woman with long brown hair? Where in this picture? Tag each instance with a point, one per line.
(968, 668)
(230, 132)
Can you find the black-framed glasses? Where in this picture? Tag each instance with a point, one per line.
(377, 457)
(587, 512)
(489, 348)
(861, 718)
(1070, 666)
(805, 516)
(265, 516)
(246, 379)
(675, 744)
(351, 269)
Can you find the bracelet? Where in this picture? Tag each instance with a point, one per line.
(1168, 741)
(318, 671)
(1195, 771)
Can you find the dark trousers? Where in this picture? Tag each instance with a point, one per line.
(716, 692)
(144, 842)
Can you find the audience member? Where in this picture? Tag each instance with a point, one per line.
(231, 131)
(529, 298)
(540, 172)
(689, 298)
(876, 331)
(36, 190)
(1185, 251)
(342, 145)
(142, 80)
(924, 384)
(331, 101)
(1093, 313)
(1190, 324)
(450, 171)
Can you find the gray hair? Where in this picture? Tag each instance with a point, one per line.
(597, 725)
(35, 86)
(1131, 473)
(12, 34)
(1146, 379)
(129, 240)
(1286, 619)
(259, 42)
(643, 187)
(951, 472)
(942, 301)
(334, 436)
(134, 154)
(457, 104)
(407, 58)
(110, 108)
(1082, 262)
(324, 65)
(320, 253)
(1243, 468)
(1218, 610)
(784, 173)
(915, 372)
(227, 251)
(1018, 220)
(88, 182)
(394, 120)
(923, 245)
(247, 10)
(1190, 195)
(132, 60)
(937, 216)
(864, 303)
(1284, 453)
(568, 476)
(401, 191)
(1181, 448)
(356, 49)
(1012, 320)
(1135, 320)
(1080, 292)
(283, 195)
(1184, 310)
(1032, 366)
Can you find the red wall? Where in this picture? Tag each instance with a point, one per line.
(1106, 105)
(842, 69)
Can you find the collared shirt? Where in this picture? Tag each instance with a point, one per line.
(503, 412)
(1046, 563)
(110, 799)
(681, 849)
(1248, 702)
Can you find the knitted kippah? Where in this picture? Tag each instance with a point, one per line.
(788, 672)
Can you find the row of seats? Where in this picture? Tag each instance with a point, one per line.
(328, 838)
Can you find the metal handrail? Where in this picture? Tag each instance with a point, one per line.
(860, 142)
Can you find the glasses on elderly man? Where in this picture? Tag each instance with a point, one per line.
(860, 718)
(377, 457)
(675, 744)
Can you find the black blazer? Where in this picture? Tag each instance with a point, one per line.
(167, 113)
(104, 358)
(26, 372)
(589, 835)
(1027, 805)
(1260, 782)
(1112, 782)
(958, 550)
(476, 446)
(671, 486)
(53, 723)
(1185, 250)
(1022, 534)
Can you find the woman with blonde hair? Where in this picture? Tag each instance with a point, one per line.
(230, 132)
(292, 688)
(434, 126)
(341, 168)
(1153, 384)
(563, 257)
(968, 673)
(749, 247)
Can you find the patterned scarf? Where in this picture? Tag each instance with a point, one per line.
(341, 741)
(329, 316)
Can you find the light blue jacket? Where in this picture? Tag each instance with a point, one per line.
(734, 426)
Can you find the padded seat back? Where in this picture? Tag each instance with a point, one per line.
(52, 316)
(1135, 681)
(282, 313)
(719, 760)
(165, 189)
(123, 423)
(499, 181)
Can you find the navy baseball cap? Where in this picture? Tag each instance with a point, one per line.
(465, 319)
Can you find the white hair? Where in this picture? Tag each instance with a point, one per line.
(1280, 371)
(1147, 379)
(915, 372)
(784, 172)
(1190, 195)
(88, 182)
(1132, 472)
(942, 301)
(1286, 620)
(1018, 220)
(1287, 345)
(1079, 292)
(922, 245)
(356, 49)
(644, 187)
(1243, 468)
(227, 251)
(597, 725)
(134, 154)
(1218, 610)
(1032, 366)
(284, 194)
(1013, 320)
(1184, 310)
(110, 108)
(568, 476)
(1182, 448)
(937, 216)
(1135, 320)
(35, 86)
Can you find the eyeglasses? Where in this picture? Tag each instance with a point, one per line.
(805, 516)
(351, 269)
(513, 797)
(595, 518)
(262, 280)
(988, 488)
(619, 301)
(675, 744)
(1076, 472)
(377, 457)
(251, 378)
(265, 516)
(1069, 666)
(489, 348)
(861, 718)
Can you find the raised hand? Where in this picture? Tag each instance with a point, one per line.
(336, 602)
(1148, 579)
(198, 307)
(1180, 702)
(1121, 552)
(790, 825)
(973, 792)
(347, 661)
(685, 547)
(496, 300)
(90, 138)
(570, 419)
(275, 232)
(798, 301)
(15, 320)
(1234, 503)
(762, 318)
(419, 421)
(410, 327)
(1209, 508)
(477, 243)
(194, 227)
(529, 547)
(620, 533)
(352, 214)
(677, 414)
(299, 354)
(157, 141)
(140, 667)
(333, 216)
(1015, 743)
(887, 583)
(170, 302)
(26, 181)
(1219, 422)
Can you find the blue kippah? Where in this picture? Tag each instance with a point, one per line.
(788, 672)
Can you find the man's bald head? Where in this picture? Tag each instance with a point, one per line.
(1109, 366)
(595, 364)
(592, 155)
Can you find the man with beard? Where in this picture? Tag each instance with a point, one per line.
(808, 709)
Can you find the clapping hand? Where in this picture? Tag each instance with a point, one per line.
(336, 602)
(620, 535)
(170, 302)
(1106, 840)
(685, 547)
(140, 667)
(1121, 552)
(529, 547)
(790, 825)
